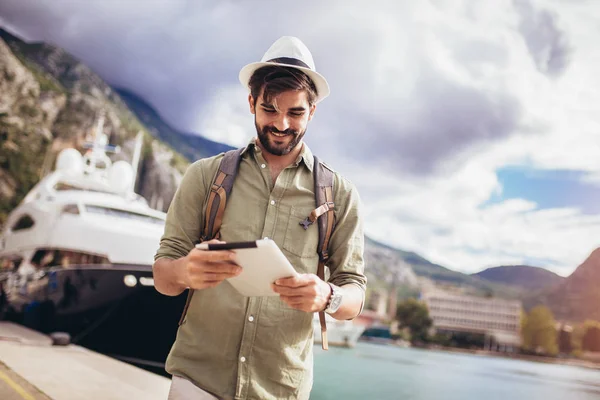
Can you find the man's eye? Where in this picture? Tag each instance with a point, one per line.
(268, 110)
(296, 114)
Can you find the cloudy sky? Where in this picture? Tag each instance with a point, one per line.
(470, 127)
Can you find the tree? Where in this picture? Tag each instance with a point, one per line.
(414, 315)
(591, 336)
(576, 338)
(523, 321)
(565, 341)
(539, 331)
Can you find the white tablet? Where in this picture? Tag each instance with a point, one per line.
(262, 264)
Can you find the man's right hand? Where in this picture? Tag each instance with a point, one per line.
(203, 269)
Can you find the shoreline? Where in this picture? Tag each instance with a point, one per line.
(574, 362)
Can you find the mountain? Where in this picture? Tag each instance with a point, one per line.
(30, 106)
(191, 146)
(527, 277)
(59, 67)
(572, 299)
(49, 100)
(386, 263)
(577, 298)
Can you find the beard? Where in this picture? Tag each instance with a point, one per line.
(269, 142)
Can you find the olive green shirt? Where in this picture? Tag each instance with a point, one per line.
(238, 347)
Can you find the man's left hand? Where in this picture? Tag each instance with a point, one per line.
(306, 292)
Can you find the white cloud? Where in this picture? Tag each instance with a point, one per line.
(592, 179)
(441, 220)
(226, 117)
(439, 215)
(427, 103)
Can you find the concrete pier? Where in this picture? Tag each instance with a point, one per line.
(31, 368)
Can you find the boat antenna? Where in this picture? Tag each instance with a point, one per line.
(97, 145)
(139, 140)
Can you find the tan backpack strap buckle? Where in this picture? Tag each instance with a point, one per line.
(316, 213)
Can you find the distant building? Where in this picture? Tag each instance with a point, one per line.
(497, 319)
(378, 302)
(376, 309)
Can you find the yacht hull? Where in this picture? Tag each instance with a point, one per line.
(114, 310)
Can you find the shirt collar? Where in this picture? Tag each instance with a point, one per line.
(305, 156)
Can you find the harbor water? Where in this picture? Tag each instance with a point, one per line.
(380, 372)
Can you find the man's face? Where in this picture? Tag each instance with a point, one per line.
(281, 123)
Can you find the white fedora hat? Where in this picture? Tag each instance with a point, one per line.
(289, 51)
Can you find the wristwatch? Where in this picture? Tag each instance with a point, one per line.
(335, 300)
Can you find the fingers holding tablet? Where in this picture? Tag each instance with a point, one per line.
(305, 292)
(261, 261)
(204, 269)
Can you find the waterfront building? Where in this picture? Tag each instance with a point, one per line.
(498, 320)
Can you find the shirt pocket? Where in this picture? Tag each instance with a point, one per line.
(298, 241)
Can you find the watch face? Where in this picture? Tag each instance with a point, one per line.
(336, 301)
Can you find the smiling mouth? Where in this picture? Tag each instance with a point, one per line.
(280, 135)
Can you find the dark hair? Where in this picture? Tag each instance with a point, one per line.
(276, 79)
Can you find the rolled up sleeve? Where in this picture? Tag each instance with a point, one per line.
(346, 262)
(185, 214)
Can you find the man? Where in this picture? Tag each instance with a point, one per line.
(230, 346)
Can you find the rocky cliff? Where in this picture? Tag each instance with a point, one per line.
(28, 112)
(48, 101)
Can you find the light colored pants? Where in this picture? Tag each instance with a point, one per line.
(182, 389)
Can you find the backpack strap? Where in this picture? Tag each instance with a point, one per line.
(326, 223)
(219, 192)
(215, 206)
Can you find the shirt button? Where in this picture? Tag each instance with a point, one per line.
(251, 318)
(272, 202)
(263, 166)
(243, 359)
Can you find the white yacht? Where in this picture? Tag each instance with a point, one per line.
(86, 211)
(339, 333)
(76, 255)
